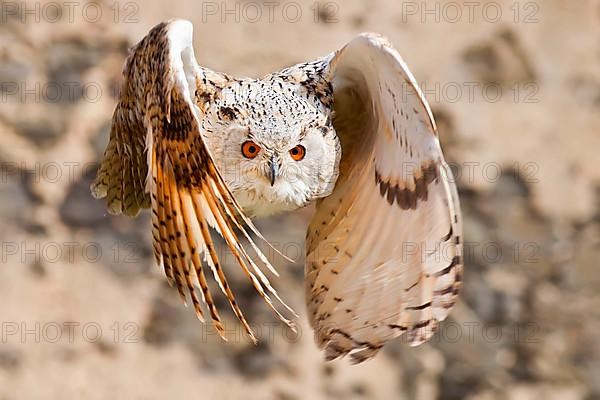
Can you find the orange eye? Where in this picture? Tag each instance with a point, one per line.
(250, 149)
(298, 152)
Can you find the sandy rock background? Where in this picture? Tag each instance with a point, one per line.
(515, 88)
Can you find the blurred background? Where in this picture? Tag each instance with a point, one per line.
(515, 88)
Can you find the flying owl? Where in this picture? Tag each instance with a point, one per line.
(352, 132)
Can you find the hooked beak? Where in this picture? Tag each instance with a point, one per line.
(273, 169)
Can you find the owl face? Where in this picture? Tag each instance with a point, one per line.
(275, 146)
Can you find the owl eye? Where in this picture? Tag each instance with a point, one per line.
(250, 149)
(298, 152)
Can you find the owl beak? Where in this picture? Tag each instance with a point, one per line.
(273, 169)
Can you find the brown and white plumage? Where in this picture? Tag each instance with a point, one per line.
(384, 251)
(351, 131)
(156, 138)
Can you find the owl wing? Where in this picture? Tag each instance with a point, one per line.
(384, 249)
(157, 158)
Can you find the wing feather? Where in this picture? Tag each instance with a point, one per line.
(156, 137)
(384, 252)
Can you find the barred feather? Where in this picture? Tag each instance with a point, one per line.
(156, 137)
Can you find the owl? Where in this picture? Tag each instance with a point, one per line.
(351, 132)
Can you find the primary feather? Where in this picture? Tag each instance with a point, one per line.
(157, 134)
(384, 249)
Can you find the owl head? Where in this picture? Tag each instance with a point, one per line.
(274, 144)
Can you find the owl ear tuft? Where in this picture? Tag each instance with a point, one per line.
(205, 96)
(312, 77)
(209, 85)
(318, 85)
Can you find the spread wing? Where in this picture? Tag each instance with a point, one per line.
(157, 158)
(384, 250)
